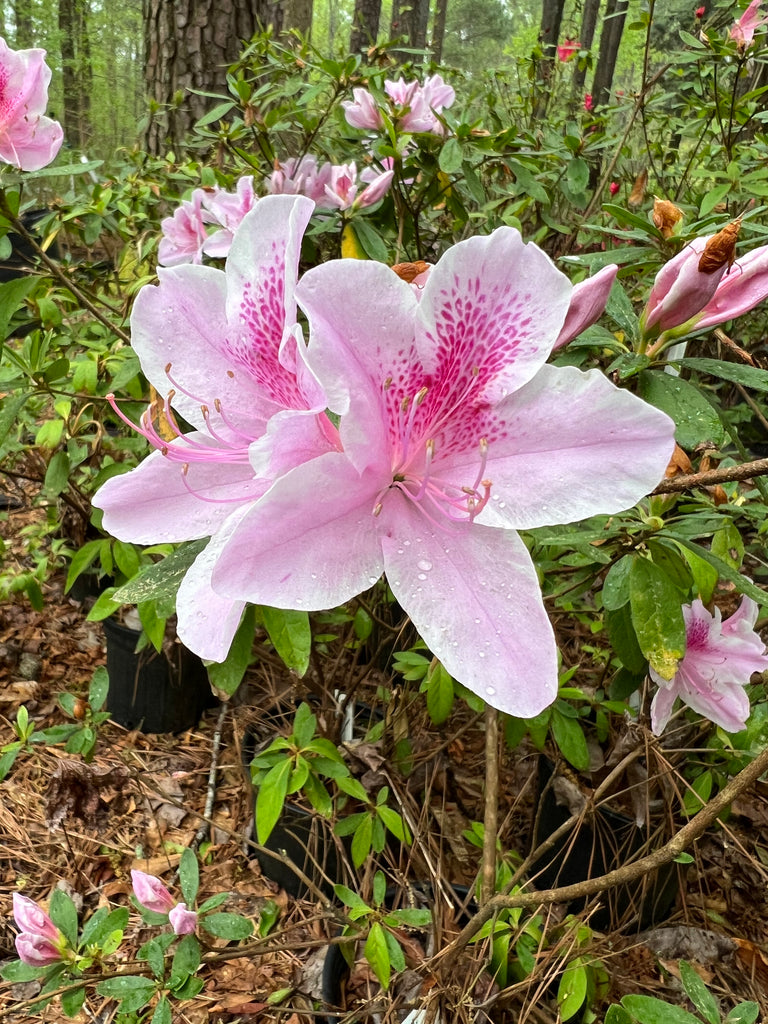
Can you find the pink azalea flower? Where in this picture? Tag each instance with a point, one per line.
(39, 942)
(614, 187)
(362, 111)
(28, 139)
(226, 210)
(588, 302)
(151, 893)
(567, 51)
(223, 349)
(700, 12)
(341, 191)
(183, 921)
(589, 103)
(743, 30)
(681, 290)
(455, 434)
(301, 178)
(184, 233)
(719, 660)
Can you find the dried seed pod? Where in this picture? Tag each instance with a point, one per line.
(409, 271)
(720, 249)
(666, 215)
(637, 195)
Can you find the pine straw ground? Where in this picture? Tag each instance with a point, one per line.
(140, 802)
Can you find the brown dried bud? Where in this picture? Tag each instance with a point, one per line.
(409, 271)
(80, 709)
(678, 464)
(666, 215)
(249, 115)
(637, 195)
(720, 249)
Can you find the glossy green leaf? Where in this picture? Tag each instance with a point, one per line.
(657, 616)
(291, 636)
(699, 994)
(695, 419)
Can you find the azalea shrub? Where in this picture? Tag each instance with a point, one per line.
(398, 354)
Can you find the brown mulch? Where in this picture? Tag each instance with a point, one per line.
(140, 801)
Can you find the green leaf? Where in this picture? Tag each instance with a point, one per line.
(72, 1001)
(57, 474)
(10, 409)
(695, 419)
(162, 1014)
(396, 954)
(371, 241)
(698, 794)
(186, 959)
(377, 954)
(450, 157)
(189, 876)
(737, 373)
(621, 633)
(12, 296)
(699, 994)
(440, 693)
(97, 691)
(304, 725)
(17, 971)
(728, 545)
(569, 737)
(291, 636)
(64, 915)
(227, 926)
(162, 580)
(572, 990)
(713, 197)
(227, 676)
(724, 571)
(130, 987)
(743, 1013)
(362, 840)
(577, 176)
(271, 798)
(103, 924)
(618, 1015)
(616, 584)
(657, 616)
(649, 1010)
(704, 575)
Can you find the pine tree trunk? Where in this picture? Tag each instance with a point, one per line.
(589, 14)
(410, 18)
(438, 30)
(77, 73)
(365, 25)
(298, 15)
(613, 28)
(189, 45)
(22, 15)
(549, 33)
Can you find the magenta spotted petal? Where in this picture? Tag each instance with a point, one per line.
(448, 418)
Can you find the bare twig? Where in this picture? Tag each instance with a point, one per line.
(491, 820)
(744, 471)
(210, 797)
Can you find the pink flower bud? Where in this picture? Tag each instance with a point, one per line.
(37, 951)
(182, 920)
(373, 192)
(151, 893)
(362, 111)
(588, 301)
(588, 102)
(614, 187)
(32, 920)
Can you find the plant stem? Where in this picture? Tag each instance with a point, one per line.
(491, 820)
(724, 474)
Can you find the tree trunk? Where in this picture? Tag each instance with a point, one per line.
(613, 27)
(77, 73)
(549, 33)
(438, 30)
(410, 19)
(24, 36)
(589, 14)
(365, 25)
(298, 15)
(188, 45)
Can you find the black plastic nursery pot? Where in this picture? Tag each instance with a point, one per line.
(603, 844)
(151, 691)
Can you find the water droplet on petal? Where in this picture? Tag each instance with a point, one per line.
(424, 564)
(407, 543)
(490, 690)
(481, 653)
(422, 576)
(372, 579)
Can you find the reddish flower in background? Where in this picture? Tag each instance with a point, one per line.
(614, 187)
(700, 12)
(567, 51)
(588, 102)
(28, 139)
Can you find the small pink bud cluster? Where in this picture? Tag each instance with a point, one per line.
(330, 186)
(153, 895)
(39, 942)
(567, 51)
(413, 107)
(186, 236)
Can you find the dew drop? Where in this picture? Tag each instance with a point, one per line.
(481, 654)
(477, 622)
(490, 690)
(422, 576)
(399, 551)
(407, 543)
(424, 564)
(372, 579)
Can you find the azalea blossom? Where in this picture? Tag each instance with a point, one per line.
(153, 895)
(39, 942)
(414, 107)
(743, 30)
(302, 177)
(341, 191)
(567, 51)
(224, 351)
(720, 658)
(28, 139)
(589, 103)
(614, 187)
(455, 434)
(743, 286)
(588, 301)
(183, 921)
(186, 235)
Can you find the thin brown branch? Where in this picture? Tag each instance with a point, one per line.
(491, 820)
(725, 474)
